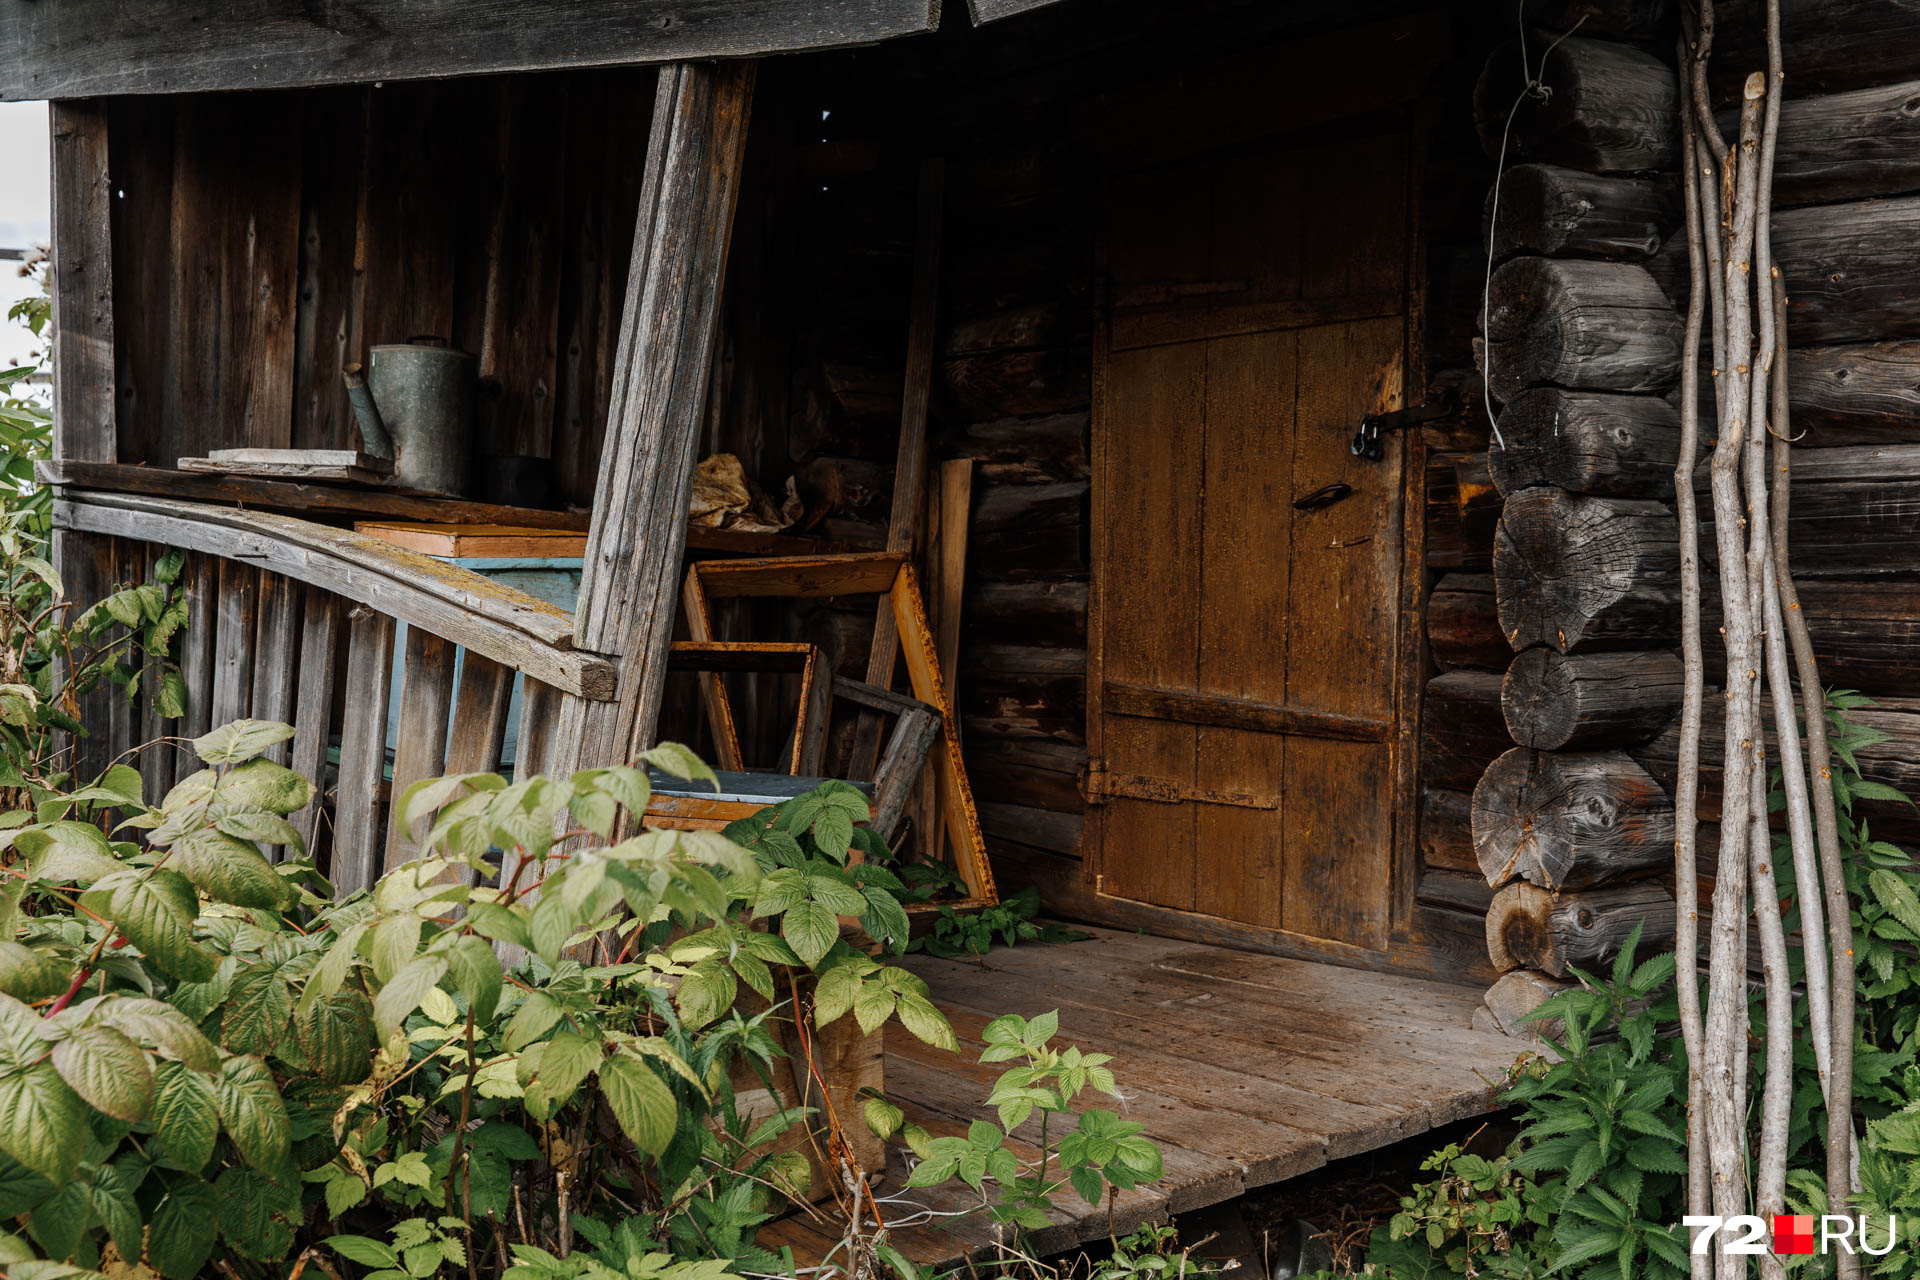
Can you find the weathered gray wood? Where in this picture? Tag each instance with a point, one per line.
(357, 828)
(1461, 731)
(1587, 442)
(320, 623)
(1850, 270)
(900, 764)
(1518, 994)
(274, 669)
(1586, 573)
(1862, 394)
(1604, 326)
(458, 604)
(630, 584)
(1530, 928)
(1569, 819)
(1611, 108)
(1555, 701)
(1446, 830)
(539, 719)
(479, 715)
(82, 48)
(199, 579)
(1560, 212)
(335, 465)
(81, 281)
(156, 759)
(1463, 624)
(426, 700)
(1848, 146)
(1846, 528)
(983, 11)
(233, 642)
(1826, 45)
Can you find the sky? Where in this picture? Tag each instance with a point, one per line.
(23, 208)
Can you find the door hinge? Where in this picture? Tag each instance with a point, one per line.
(1368, 443)
(1098, 784)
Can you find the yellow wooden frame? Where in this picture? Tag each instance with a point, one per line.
(861, 573)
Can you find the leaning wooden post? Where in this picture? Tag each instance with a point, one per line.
(630, 581)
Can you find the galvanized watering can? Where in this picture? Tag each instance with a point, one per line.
(415, 406)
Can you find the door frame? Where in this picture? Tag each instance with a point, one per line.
(1405, 933)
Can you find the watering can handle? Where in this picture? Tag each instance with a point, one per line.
(373, 429)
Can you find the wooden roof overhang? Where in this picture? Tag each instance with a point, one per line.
(93, 48)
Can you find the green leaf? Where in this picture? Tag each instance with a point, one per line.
(185, 1116)
(400, 997)
(113, 1204)
(171, 698)
(259, 1003)
(154, 1022)
(882, 1117)
(393, 945)
(181, 1232)
(254, 1214)
(475, 969)
(241, 740)
(1897, 896)
(106, 1069)
(29, 975)
(811, 930)
(253, 1113)
(680, 761)
(706, 991)
(262, 784)
(337, 1036)
(156, 911)
(873, 1006)
(534, 1018)
(558, 1067)
(42, 1122)
(918, 1015)
(368, 1253)
(640, 1101)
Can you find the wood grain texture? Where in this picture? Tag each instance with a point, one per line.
(1576, 572)
(1462, 508)
(1556, 211)
(233, 654)
(82, 284)
(1567, 820)
(321, 625)
(1848, 146)
(626, 603)
(357, 804)
(272, 687)
(1530, 928)
(1848, 270)
(1463, 624)
(1603, 326)
(93, 47)
(1554, 701)
(1612, 108)
(1587, 442)
(1461, 729)
(426, 702)
(479, 715)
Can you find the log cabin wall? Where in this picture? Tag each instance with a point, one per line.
(264, 239)
(1573, 825)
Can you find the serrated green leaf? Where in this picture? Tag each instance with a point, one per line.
(259, 1005)
(918, 1015)
(30, 975)
(42, 1122)
(181, 1233)
(255, 1212)
(107, 1070)
(811, 930)
(253, 1112)
(156, 911)
(336, 1034)
(185, 1116)
(400, 997)
(475, 969)
(640, 1101)
(241, 740)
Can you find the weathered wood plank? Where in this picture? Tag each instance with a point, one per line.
(275, 646)
(426, 700)
(82, 282)
(626, 603)
(1849, 270)
(446, 600)
(357, 828)
(199, 579)
(234, 641)
(1461, 729)
(479, 715)
(320, 626)
(96, 47)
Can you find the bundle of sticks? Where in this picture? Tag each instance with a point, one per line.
(1738, 298)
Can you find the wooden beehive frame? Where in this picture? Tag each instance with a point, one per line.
(885, 573)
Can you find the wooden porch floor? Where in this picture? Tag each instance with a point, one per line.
(1246, 1069)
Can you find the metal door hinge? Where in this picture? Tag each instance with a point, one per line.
(1369, 443)
(1098, 785)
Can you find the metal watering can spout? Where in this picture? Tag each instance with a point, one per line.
(414, 405)
(373, 430)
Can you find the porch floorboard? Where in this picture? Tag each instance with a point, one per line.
(1246, 1069)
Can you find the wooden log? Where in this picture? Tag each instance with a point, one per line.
(1581, 573)
(1850, 270)
(1518, 994)
(1847, 528)
(81, 282)
(1848, 146)
(357, 825)
(1462, 509)
(1828, 45)
(1446, 830)
(1556, 701)
(426, 700)
(1587, 442)
(627, 593)
(320, 627)
(1019, 383)
(1560, 212)
(1566, 820)
(1611, 108)
(1461, 730)
(1031, 612)
(1642, 20)
(1053, 831)
(1453, 890)
(1530, 928)
(1463, 624)
(1866, 635)
(100, 47)
(1604, 326)
(1862, 394)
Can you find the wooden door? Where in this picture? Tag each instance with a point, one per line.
(1243, 728)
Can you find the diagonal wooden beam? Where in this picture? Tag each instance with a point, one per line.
(631, 575)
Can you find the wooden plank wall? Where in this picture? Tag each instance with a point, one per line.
(263, 240)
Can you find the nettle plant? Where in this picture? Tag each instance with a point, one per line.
(206, 1058)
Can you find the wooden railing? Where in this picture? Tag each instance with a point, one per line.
(295, 621)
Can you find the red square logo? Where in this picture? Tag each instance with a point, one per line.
(1792, 1233)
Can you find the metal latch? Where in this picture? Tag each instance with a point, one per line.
(1368, 441)
(1098, 784)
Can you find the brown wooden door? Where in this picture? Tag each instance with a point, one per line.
(1243, 727)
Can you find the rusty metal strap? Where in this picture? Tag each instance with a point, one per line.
(1103, 785)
